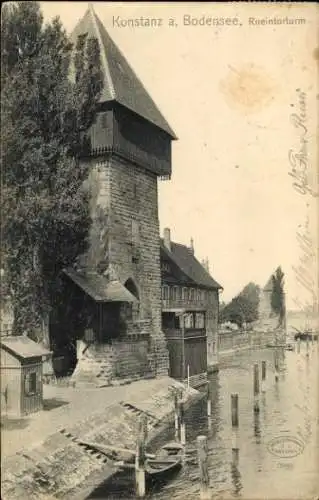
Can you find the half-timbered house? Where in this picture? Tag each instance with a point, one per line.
(190, 302)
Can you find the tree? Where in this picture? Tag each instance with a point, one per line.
(45, 117)
(243, 308)
(278, 295)
(222, 305)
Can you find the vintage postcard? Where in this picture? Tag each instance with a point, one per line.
(159, 250)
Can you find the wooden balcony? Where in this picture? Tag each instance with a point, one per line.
(178, 304)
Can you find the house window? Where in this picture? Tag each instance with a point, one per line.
(165, 267)
(189, 320)
(88, 335)
(199, 295)
(191, 294)
(103, 120)
(165, 292)
(30, 383)
(179, 293)
(173, 292)
(200, 320)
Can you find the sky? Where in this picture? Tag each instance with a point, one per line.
(241, 99)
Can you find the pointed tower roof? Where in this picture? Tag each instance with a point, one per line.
(121, 84)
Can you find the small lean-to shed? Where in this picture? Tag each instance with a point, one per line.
(21, 375)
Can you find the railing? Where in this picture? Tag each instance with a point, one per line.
(183, 304)
(6, 333)
(177, 333)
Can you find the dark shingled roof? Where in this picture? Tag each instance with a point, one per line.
(187, 262)
(100, 288)
(120, 82)
(23, 347)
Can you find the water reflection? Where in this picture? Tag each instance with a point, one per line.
(288, 407)
(277, 391)
(236, 479)
(257, 429)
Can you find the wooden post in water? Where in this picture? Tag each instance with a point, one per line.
(307, 346)
(263, 376)
(298, 345)
(235, 425)
(234, 410)
(176, 407)
(182, 422)
(256, 387)
(202, 450)
(140, 458)
(209, 399)
(276, 365)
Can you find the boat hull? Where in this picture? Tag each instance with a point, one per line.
(167, 461)
(306, 336)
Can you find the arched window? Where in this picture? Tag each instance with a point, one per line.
(132, 309)
(130, 285)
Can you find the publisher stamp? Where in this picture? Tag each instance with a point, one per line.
(285, 446)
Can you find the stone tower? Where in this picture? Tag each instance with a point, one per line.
(119, 277)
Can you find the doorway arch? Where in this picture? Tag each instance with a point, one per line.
(132, 309)
(131, 286)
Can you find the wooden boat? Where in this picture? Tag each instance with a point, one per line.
(172, 448)
(161, 467)
(307, 334)
(168, 460)
(289, 347)
(275, 346)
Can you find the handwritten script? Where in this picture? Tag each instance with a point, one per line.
(301, 174)
(299, 159)
(305, 269)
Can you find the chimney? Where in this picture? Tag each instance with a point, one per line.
(167, 238)
(207, 264)
(191, 248)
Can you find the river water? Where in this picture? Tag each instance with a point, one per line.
(288, 416)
